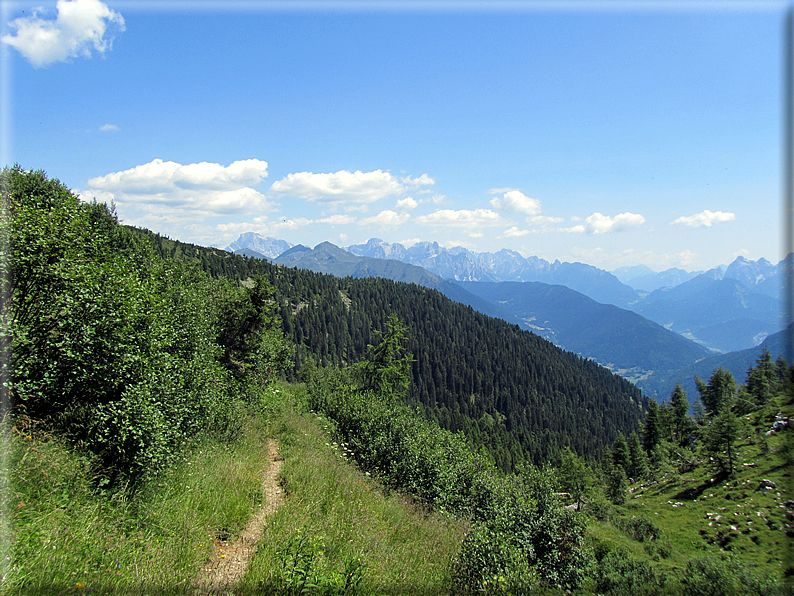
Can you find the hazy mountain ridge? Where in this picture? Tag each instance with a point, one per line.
(616, 338)
(264, 245)
(727, 308)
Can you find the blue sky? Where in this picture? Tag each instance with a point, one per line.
(588, 133)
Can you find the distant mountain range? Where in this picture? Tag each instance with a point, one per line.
(262, 245)
(645, 335)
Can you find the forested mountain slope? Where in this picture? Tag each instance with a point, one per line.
(507, 389)
(620, 339)
(737, 363)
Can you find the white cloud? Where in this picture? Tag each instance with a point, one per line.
(290, 224)
(515, 200)
(108, 128)
(79, 27)
(357, 187)
(544, 219)
(338, 219)
(407, 203)
(410, 242)
(463, 218)
(514, 232)
(201, 188)
(385, 218)
(258, 224)
(686, 257)
(705, 219)
(476, 235)
(423, 180)
(598, 223)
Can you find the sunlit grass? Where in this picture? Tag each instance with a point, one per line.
(67, 537)
(343, 523)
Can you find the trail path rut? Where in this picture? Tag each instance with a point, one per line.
(231, 559)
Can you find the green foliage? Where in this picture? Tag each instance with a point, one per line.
(358, 537)
(719, 392)
(112, 346)
(386, 367)
(521, 535)
(618, 484)
(640, 528)
(680, 405)
(723, 432)
(575, 476)
(638, 460)
(620, 574)
(149, 541)
(723, 575)
(653, 427)
(620, 453)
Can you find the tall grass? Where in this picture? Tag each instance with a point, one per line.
(338, 532)
(68, 536)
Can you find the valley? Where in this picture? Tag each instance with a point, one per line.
(653, 338)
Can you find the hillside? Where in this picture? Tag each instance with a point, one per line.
(618, 339)
(718, 312)
(621, 340)
(149, 447)
(737, 363)
(509, 390)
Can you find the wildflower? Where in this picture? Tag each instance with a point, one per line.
(79, 586)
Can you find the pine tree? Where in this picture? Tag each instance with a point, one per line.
(680, 405)
(653, 423)
(721, 390)
(638, 466)
(620, 453)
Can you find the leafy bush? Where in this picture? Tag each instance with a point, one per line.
(128, 355)
(619, 574)
(640, 528)
(521, 536)
(724, 575)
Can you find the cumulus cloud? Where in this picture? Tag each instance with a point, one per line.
(462, 218)
(423, 180)
(338, 219)
(407, 203)
(544, 219)
(357, 187)
(514, 232)
(290, 224)
(704, 219)
(79, 27)
(206, 188)
(108, 128)
(385, 218)
(597, 223)
(515, 200)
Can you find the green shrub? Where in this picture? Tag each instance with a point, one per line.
(619, 574)
(724, 575)
(640, 528)
(128, 355)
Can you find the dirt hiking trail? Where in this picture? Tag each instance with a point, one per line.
(230, 560)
